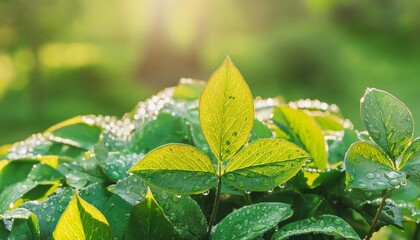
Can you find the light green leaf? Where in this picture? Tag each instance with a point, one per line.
(177, 168)
(147, 221)
(388, 121)
(226, 111)
(410, 162)
(264, 164)
(188, 89)
(81, 220)
(251, 221)
(309, 134)
(325, 224)
(368, 168)
(24, 224)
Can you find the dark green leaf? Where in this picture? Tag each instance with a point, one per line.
(368, 168)
(24, 224)
(388, 121)
(259, 131)
(251, 221)
(147, 221)
(325, 224)
(132, 189)
(50, 211)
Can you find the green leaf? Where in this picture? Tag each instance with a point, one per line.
(50, 211)
(410, 162)
(24, 224)
(259, 131)
(325, 224)
(76, 133)
(308, 132)
(226, 111)
(132, 189)
(251, 221)
(177, 168)
(388, 121)
(264, 164)
(368, 168)
(111, 205)
(188, 89)
(82, 221)
(147, 221)
(184, 213)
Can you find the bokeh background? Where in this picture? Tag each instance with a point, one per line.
(61, 58)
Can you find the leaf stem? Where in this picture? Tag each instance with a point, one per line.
(378, 214)
(216, 199)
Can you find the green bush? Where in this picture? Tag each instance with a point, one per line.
(202, 161)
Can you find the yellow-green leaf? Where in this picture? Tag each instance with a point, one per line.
(309, 133)
(264, 164)
(81, 220)
(226, 111)
(177, 168)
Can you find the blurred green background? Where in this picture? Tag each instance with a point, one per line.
(62, 58)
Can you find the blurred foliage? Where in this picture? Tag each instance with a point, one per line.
(64, 58)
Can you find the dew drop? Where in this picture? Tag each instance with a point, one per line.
(282, 185)
(230, 177)
(258, 228)
(370, 176)
(206, 193)
(394, 182)
(48, 218)
(270, 190)
(322, 223)
(207, 182)
(247, 192)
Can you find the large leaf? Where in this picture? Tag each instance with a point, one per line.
(368, 168)
(147, 221)
(177, 168)
(308, 132)
(325, 224)
(226, 111)
(24, 224)
(50, 211)
(388, 121)
(81, 220)
(251, 221)
(264, 164)
(410, 162)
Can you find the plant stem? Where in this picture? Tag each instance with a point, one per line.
(378, 214)
(248, 199)
(216, 199)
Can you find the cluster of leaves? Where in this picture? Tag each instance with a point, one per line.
(204, 161)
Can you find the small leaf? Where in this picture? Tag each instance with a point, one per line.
(82, 221)
(368, 168)
(251, 221)
(308, 132)
(410, 162)
(188, 89)
(325, 224)
(177, 168)
(24, 224)
(226, 111)
(259, 131)
(264, 164)
(132, 189)
(76, 133)
(388, 121)
(50, 211)
(147, 221)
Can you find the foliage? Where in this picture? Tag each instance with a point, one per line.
(207, 161)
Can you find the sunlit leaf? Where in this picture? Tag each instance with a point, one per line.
(81, 220)
(147, 221)
(226, 111)
(264, 164)
(410, 162)
(177, 168)
(388, 121)
(368, 168)
(325, 224)
(308, 132)
(251, 221)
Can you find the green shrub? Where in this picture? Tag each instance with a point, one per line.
(204, 161)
